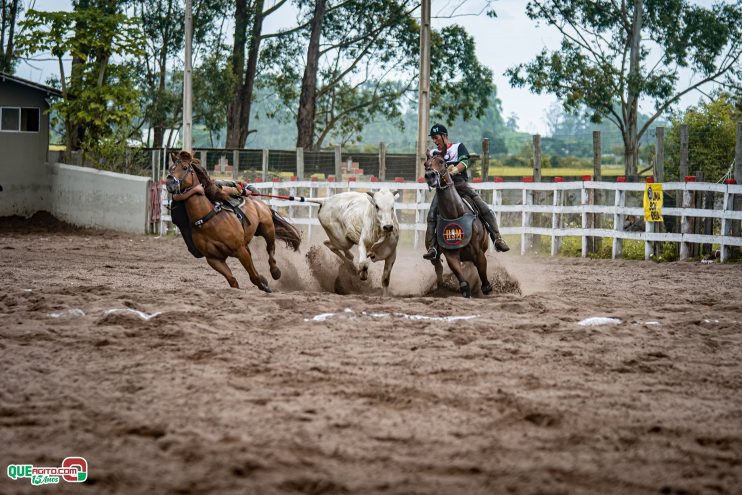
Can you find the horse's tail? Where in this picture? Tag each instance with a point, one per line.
(285, 231)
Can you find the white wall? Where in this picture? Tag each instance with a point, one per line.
(95, 198)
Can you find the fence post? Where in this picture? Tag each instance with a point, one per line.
(155, 166)
(648, 245)
(204, 158)
(556, 220)
(338, 161)
(300, 163)
(708, 222)
(584, 202)
(685, 224)
(619, 202)
(536, 158)
(265, 164)
(525, 239)
(597, 154)
(485, 158)
(726, 225)
(736, 200)
(382, 161)
(697, 222)
(659, 154)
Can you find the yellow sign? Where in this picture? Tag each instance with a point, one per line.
(653, 202)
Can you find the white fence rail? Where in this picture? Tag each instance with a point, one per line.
(305, 213)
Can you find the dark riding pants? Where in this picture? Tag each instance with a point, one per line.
(465, 191)
(180, 219)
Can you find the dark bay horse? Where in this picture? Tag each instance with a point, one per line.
(219, 234)
(451, 206)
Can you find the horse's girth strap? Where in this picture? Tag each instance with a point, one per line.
(199, 223)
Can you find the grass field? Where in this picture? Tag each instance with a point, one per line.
(606, 170)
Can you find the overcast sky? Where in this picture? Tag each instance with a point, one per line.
(508, 40)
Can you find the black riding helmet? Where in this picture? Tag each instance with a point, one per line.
(438, 129)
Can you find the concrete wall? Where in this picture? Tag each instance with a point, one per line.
(95, 198)
(23, 173)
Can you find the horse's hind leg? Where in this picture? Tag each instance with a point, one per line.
(243, 254)
(482, 270)
(268, 232)
(221, 267)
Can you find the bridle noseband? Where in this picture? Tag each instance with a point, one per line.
(177, 181)
(440, 183)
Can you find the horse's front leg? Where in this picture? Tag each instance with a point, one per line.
(438, 271)
(243, 254)
(454, 263)
(222, 267)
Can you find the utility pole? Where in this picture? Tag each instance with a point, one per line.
(423, 105)
(187, 75)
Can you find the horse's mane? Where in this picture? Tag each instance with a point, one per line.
(211, 190)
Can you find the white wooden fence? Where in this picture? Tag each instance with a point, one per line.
(305, 213)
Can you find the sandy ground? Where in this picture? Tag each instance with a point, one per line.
(237, 391)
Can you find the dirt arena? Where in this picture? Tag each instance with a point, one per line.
(127, 351)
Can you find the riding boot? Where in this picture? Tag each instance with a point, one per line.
(430, 241)
(491, 223)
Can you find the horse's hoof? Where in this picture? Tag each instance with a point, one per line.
(275, 273)
(265, 288)
(486, 289)
(465, 289)
(364, 274)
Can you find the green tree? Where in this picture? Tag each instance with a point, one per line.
(99, 96)
(212, 85)
(711, 137)
(160, 66)
(9, 12)
(460, 88)
(614, 53)
(353, 76)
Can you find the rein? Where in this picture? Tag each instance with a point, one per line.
(217, 207)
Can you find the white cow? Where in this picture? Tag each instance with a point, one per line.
(364, 219)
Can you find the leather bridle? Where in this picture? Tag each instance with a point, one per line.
(441, 181)
(178, 181)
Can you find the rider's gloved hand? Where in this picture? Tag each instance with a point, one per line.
(453, 169)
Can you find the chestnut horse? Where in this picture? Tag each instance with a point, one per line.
(451, 206)
(219, 234)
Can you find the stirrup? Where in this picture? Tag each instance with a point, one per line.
(431, 254)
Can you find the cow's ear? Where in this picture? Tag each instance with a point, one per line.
(395, 193)
(371, 197)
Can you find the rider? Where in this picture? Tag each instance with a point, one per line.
(457, 159)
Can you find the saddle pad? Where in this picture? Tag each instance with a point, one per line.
(235, 206)
(455, 233)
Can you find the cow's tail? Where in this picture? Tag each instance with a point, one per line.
(285, 231)
(317, 201)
